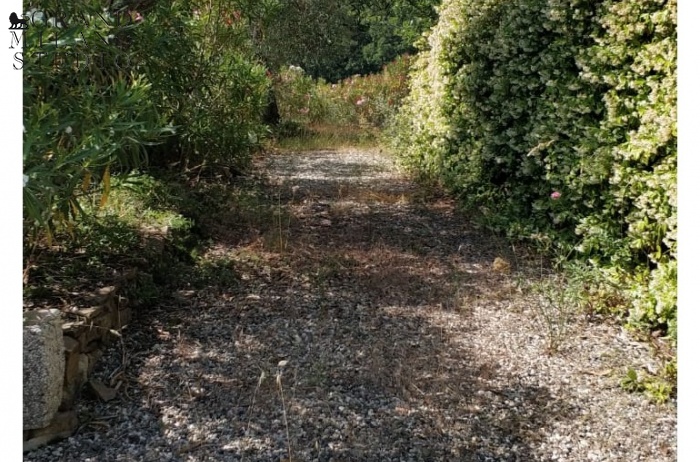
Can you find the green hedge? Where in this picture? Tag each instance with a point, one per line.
(197, 56)
(556, 118)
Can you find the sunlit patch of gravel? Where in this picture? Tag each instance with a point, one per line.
(381, 332)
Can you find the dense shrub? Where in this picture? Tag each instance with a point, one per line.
(203, 81)
(369, 100)
(557, 119)
(375, 97)
(82, 111)
(294, 90)
(336, 39)
(107, 91)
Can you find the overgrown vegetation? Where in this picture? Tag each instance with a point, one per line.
(185, 84)
(354, 110)
(157, 233)
(557, 121)
(115, 96)
(110, 91)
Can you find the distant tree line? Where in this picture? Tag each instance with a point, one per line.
(334, 39)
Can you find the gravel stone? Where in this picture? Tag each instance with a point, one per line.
(377, 331)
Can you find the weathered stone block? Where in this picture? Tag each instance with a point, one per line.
(44, 366)
(67, 399)
(76, 330)
(104, 294)
(92, 312)
(95, 329)
(102, 391)
(62, 426)
(93, 357)
(93, 345)
(71, 381)
(70, 345)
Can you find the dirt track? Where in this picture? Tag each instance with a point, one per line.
(365, 321)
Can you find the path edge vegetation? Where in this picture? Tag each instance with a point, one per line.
(557, 121)
(553, 119)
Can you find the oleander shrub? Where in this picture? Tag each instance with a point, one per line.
(295, 90)
(556, 119)
(375, 97)
(109, 90)
(84, 112)
(196, 54)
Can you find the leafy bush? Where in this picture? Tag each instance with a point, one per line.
(556, 118)
(294, 90)
(194, 53)
(83, 112)
(108, 91)
(336, 39)
(369, 100)
(375, 97)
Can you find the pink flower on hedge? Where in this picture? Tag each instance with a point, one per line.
(136, 16)
(361, 101)
(304, 110)
(555, 195)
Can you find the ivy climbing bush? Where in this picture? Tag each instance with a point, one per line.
(557, 120)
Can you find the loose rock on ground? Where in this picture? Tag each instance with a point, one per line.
(367, 322)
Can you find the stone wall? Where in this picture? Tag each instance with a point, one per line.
(60, 352)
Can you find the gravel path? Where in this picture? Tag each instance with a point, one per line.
(367, 321)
